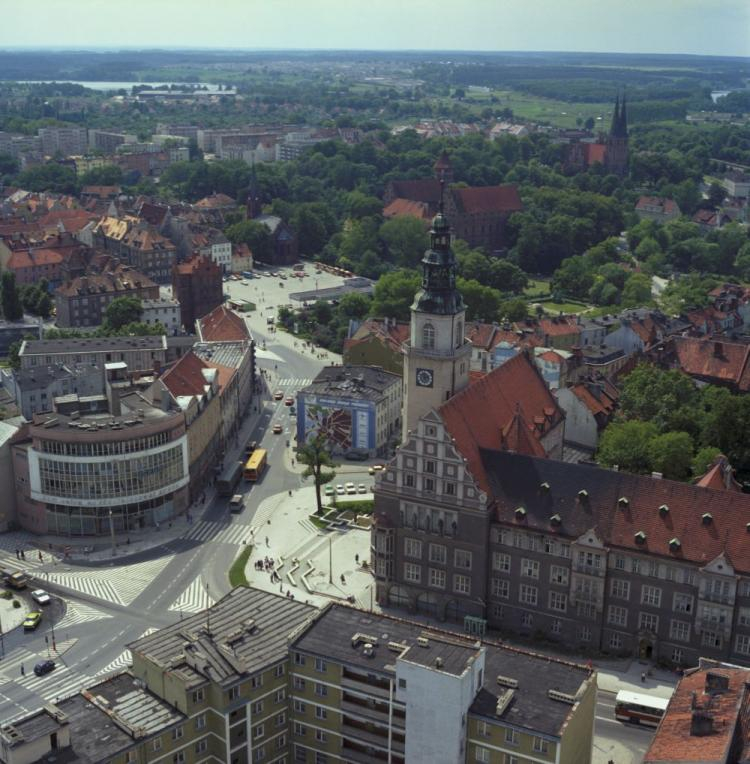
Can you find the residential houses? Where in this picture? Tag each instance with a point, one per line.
(659, 209)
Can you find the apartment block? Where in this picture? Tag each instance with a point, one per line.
(68, 141)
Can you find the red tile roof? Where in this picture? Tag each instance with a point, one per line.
(674, 742)
(36, 257)
(222, 325)
(665, 206)
(714, 360)
(599, 396)
(185, 377)
(425, 190)
(475, 200)
(407, 207)
(477, 416)
(720, 476)
(215, 201)
(559, 327)
(551, 357)
(391, 333)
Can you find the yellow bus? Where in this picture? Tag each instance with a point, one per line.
(255, 464)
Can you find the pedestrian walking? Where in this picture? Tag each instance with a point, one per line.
(23, 670)
(23, 556)
(18, 555)
(266, 540)
(41, 559)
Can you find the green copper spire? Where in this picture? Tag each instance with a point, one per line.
(438, 294)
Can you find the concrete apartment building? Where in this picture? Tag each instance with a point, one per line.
(83, 301)
(164, 312)
(262, 678)
(108, 141)
(68, 141)
(355, 407)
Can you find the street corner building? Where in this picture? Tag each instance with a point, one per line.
(354, 407)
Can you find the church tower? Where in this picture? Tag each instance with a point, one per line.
(436, 365)
(616, 157)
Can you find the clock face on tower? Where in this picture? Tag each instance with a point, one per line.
(424, 377)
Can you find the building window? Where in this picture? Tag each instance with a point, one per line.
(541, 745)
(178, 758)
(234, 693)
(511, 736)
(201, 746)
(428, 337)
(648, 622)
(619, 562)
(256, 681)
(584, 633)
(651, 595)
(558, 601)
(500, 588)
(321, 689)
(156, 745)
(501, 562)
(556, 626)
(413, 548)
(321, 665)
(711, 639)
(299, 729)
(635, 565)
(409, 480)
(527, 620)
(412, 573)
(199, 696)
(589, 559)
(429, 467)
(461, 584)
(677, 655)
(527, 595)
(620, 589)
(482, 754)
(682, 603)
(679, 630)
(428, 485)
(321, 758)
(483, 729)
(742, 645)
(299, 659)
(438, 554)
(617, 616)
(257, 731)
(437, 578)
(177, 733)
(530, 568)
(280, 695)
(462, 559)
(449, 489)
(258, 707)
(558, 575)
(279, 670)
(298, 683)
(615, 642)
(200, 722)
(299, 707)
(321, 736)
(320, 712)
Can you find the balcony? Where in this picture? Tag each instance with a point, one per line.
(368, 684)
(720, 599)
(589, 570)
(351, 750)
(373, 734)
(376, 710)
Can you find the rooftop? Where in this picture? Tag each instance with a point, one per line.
(341, 632)
(352, 381)
(222, 325)
(249, 630)
(93, 345)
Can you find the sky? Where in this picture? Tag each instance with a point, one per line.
(705, 27)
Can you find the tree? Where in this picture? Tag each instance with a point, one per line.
(671, 454)
(316, 456)
(10, 299)
(49, 177)
(354, 305)
(107, 175)
(123, 311)
(394, 294)
(716, 194)
(637, 291)
(574, 277)
(256, 235)
(405, 239)
(742, 262)
(626, 444)
(482, 302)
(311, 231)
(704, 459)
(515, 309)
(359, 205)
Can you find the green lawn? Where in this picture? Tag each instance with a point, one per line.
(564, 307)
(536, 287)
(237, 571)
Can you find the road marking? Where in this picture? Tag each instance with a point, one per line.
(194, 599)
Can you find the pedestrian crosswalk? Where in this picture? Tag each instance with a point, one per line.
(77, 612)
(17, 542)
(60, 683)
(123, 660)
(294, 382)
(223, 533)
(120, 585)
(194, 599)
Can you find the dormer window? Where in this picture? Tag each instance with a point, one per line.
(663, 510)
(583, 494)
(520, 513)
(623, 502)
(428, 337)
(707, 518)
(640, 537)
(674, 545)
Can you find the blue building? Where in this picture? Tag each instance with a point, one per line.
(357, 408)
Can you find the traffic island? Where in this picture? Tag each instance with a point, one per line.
(13, 611)
(237, 576)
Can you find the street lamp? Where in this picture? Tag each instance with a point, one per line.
(51, 618)
(330, 559)
(112, 531)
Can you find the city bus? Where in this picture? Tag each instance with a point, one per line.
(255, 464)
(229, 478)
(639, 708)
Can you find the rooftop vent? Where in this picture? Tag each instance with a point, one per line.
(623, 502)
(520, 513)
(707, 518)
(640, 537)
(663, 509)
(674, 544)
(397, 647)
(423, 641)
(716, 683)
(503, 701)
(507, 681)
(438, 662)
(368, 650)
(556, 519)
(562, 697)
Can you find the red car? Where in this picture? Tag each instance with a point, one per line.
(289, 401)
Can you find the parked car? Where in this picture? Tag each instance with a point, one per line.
(44, 667)
(376, 468)
(340, 491)
(32, 620)
(361, 488)
(41, 597)
(351, 488)
(329, 490)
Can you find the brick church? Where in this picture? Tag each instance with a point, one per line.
(610, 150)
(478, 213)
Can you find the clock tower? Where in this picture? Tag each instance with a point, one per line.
(436, 365)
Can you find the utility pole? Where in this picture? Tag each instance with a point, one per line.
(112, 531)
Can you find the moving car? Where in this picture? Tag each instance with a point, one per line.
(376, 468)
(351, 488)
(361, 488)
(32, 620)
(40, 597)
(44, 667)
(340, 490)
(289, 401)
(277, 429)
(235, 503)
(278, 395)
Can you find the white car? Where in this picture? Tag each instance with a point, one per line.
(351, 488)
(340, 490)
(40, 597)
(361, 488)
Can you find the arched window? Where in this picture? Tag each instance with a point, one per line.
(459, 334)
(428, 337)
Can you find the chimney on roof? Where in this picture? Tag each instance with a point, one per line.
(718, 350)
(701, 723)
